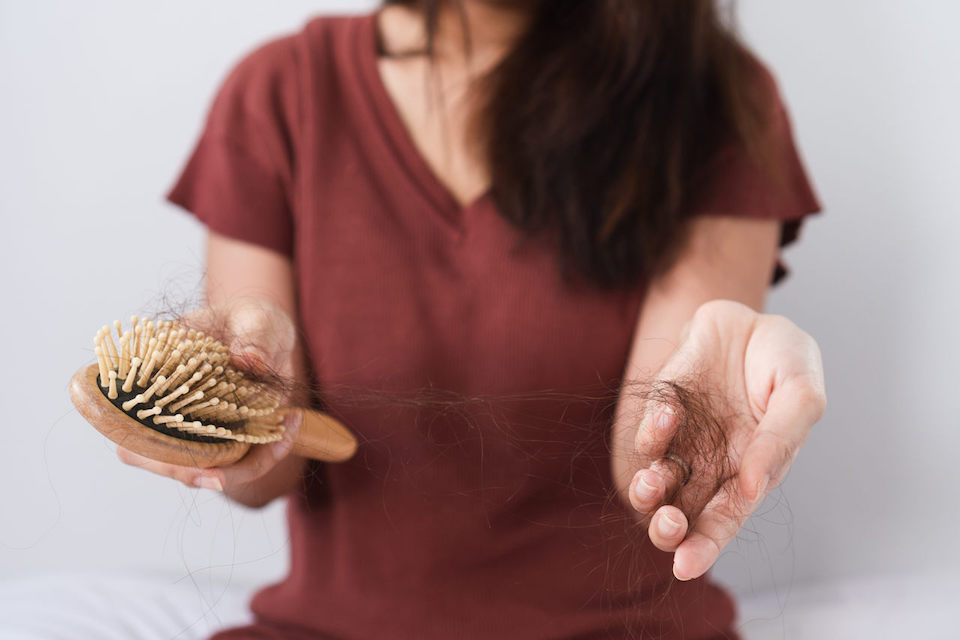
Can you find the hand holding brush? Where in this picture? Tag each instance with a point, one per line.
(184, 404)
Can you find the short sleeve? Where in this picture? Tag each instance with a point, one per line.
(239, 178)
(769, 182)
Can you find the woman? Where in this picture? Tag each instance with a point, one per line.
(514, 204)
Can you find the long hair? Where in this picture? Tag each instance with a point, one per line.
(599, 121)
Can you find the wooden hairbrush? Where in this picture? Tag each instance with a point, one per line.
(171, 394)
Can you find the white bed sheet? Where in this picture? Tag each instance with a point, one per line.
(118, 607)
(121, 607)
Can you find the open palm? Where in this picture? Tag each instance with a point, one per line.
(768, 374)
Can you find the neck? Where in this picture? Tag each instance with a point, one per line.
(473, 33)
(482, 29)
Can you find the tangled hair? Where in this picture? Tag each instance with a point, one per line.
(700, 442)
(603, 115)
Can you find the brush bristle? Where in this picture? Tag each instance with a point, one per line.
(181, 380)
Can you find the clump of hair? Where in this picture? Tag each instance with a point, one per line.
(700, 447)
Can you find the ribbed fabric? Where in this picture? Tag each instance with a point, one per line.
(490, 518)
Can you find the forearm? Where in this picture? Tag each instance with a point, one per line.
(262, 279)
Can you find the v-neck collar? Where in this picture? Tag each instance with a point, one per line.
(407, 156)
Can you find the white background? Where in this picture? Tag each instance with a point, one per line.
(100, 102)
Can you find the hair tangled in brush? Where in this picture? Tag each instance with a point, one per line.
(177, 380)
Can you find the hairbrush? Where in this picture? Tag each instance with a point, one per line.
(171, 394)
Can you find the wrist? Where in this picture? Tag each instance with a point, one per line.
(286, 476)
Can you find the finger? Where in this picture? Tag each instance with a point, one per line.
(673, 476)
(264, 457)
(716, 526)
(655, 433)
(259, 334)
(204, 319)
(263, 332)
(190, 476)
(647, 490)
(660, 422)
(655, 485)
(216, 322)
(667, 528)
(160, 468)
(251, 359)
(791, 411)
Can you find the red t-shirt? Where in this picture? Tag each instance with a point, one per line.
(491, 518)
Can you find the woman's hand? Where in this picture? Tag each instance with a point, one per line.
(261, 337)
(769, 373)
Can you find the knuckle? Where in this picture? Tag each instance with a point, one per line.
(782, 322)
(783, 453)
(734, 509)
(708, 311)
(781, 466)
(778, 441)
(713, 547)
(263, 327)
(714, 309)
(818, 407)
(811, 398)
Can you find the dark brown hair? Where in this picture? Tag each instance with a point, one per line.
(602, 117)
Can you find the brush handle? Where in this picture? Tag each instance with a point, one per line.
(322, 437)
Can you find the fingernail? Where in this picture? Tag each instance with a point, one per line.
(678, 575)
(208, 482)
(668, 528)
(644, 489)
